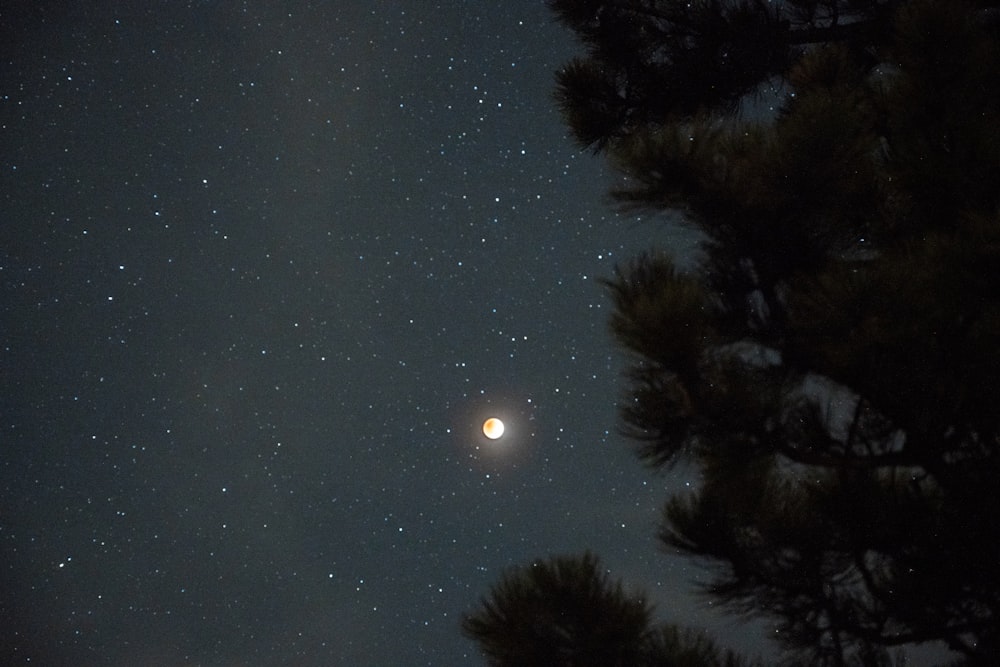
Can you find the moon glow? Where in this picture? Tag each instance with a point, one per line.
(492, 428)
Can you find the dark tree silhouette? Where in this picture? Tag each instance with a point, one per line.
(566, 612)
(649, 62)
(832, 367)
(560, 612)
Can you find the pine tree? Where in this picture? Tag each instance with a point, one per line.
(566, 612)
(832, 366)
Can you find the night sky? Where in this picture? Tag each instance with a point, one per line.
(266, 269)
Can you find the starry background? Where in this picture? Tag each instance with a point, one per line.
(266, 267)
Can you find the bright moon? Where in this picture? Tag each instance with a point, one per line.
(492, 428)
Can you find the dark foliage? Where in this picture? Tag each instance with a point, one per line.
(566, 612)
(832, 367)
(560, 612)
(652, 61)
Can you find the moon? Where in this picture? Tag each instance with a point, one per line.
(492, 428)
